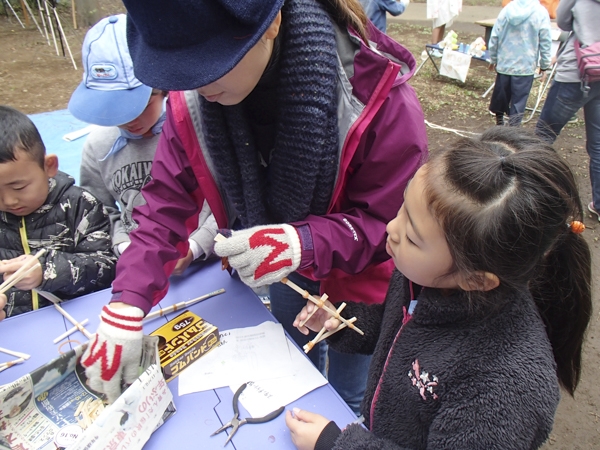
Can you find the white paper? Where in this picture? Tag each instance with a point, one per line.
(73, 135)
(252, 353)
(261, 397)
(455, 65)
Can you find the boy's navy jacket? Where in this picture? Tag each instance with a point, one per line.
(452, 375)
(74, 229)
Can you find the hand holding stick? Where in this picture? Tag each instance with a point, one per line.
(176, 307)
(320, 305)
(23, 271)
(310, 344)
(306, 294)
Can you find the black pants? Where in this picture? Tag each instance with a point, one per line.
(510, 96)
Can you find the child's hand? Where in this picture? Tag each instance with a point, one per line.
(2, 305)
(320, 318)
(183, 263)
(305, 427)
(31, 281)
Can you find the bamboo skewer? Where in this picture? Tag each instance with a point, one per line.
(322, 302)
(55, 300)
(13, 353)
(176, 307)
(23, 271)
(316, 301)
(70, 331)
(342, 326)
(9, 364)
(79, 326)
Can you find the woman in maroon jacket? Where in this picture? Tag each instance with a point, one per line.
(297, 131)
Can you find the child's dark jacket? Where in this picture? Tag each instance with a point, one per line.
(75, 230)
(455, 377)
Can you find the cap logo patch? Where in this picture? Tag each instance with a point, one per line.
(103, 72)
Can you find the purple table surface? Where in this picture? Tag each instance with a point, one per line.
(198, 414)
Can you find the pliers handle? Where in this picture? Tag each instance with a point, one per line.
(235, 423)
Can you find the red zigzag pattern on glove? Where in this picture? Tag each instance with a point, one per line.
(259, 239)
(106, 371)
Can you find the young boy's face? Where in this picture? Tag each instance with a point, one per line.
(142, 124)
(24, 184)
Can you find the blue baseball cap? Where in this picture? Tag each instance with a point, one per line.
(109, 94)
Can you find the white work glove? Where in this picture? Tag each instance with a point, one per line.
(262, 255)
(405, 2)
(114, 352)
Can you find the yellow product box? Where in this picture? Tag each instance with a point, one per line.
(182, 341)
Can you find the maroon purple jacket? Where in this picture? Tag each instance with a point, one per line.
(384, 142)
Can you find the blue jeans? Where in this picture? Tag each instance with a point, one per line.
(347, 373)
(562, 102)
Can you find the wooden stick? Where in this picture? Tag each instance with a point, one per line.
(74, 14)
(55, 300)
(309, 345)
(51, 26)
(307, 295)
(80, 327)
(69, 332)
(23, 271)
(342, 326)
(6, 365)
(43, 21)
(323, 298)
(13, 353)
(62, 33)
(176, 307)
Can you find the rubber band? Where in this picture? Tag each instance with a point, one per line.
(68, 341)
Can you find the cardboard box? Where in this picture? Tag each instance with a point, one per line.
(182, 341)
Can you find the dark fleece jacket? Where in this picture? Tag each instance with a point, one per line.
(73, 226)
(454, 376)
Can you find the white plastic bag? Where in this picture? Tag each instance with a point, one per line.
(455, 65)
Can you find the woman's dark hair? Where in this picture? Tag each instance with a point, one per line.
(348, 13)
(505, 201)
(17, 132)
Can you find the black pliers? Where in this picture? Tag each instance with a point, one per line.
(235, 422)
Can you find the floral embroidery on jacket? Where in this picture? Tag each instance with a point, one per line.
(421, 380)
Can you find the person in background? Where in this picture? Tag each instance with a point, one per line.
(117, 157)
(550, 5)
(520, 39)
(566, 97)
(41, 208)
(295, 121)
(377, 10)
(443, 13)
(486, 313)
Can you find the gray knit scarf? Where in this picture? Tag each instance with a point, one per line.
(303, 163)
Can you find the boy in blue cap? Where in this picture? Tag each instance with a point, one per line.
(117, 158)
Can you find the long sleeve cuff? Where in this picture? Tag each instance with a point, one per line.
(328, 436)
(306, 243)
